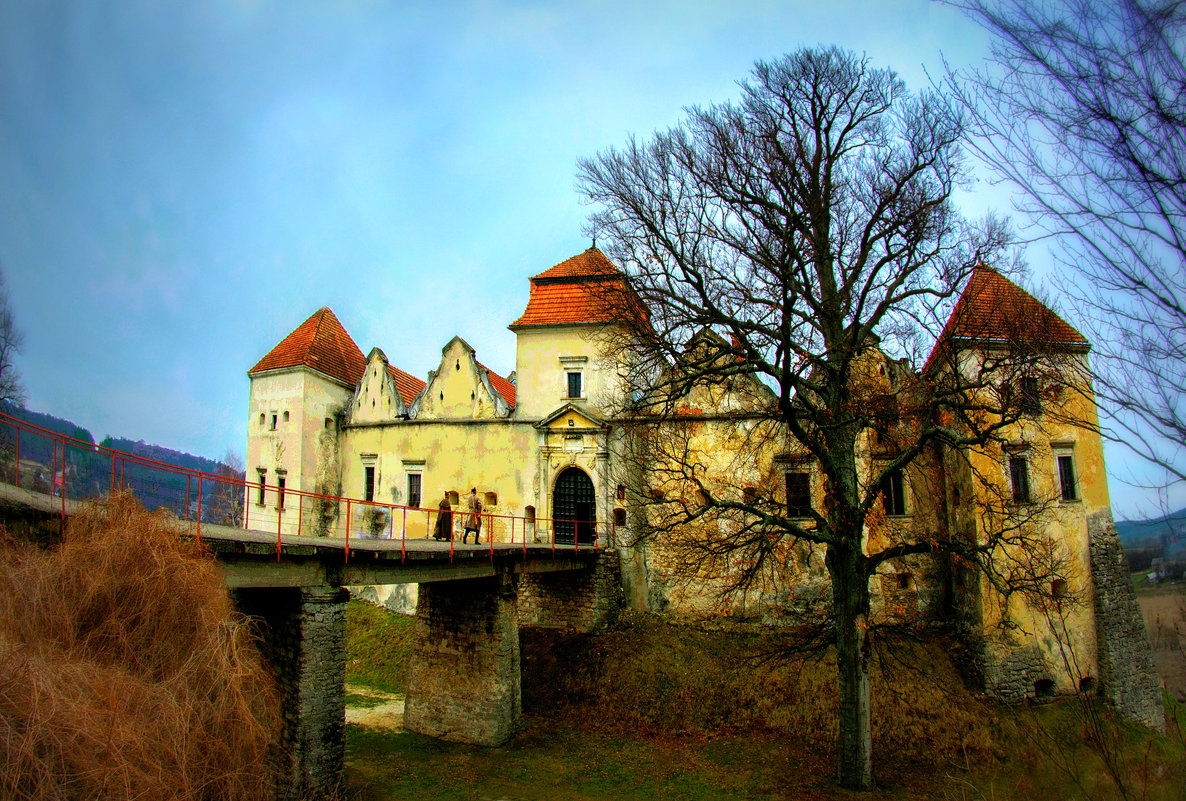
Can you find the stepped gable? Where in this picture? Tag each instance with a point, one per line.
(320, 343)
(408, 385)
(993, 308)
(574, 292)
(501, 385)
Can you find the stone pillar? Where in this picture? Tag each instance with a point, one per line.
(463, 680)
(575, 600)
(303, 634)
(1126, 659)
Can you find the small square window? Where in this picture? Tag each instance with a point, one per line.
(893, 493)
(414, 490)
(574, 385)
(369, 489)
(1030, 400)
(1066, 477)
(1019, 478)
(798, 494)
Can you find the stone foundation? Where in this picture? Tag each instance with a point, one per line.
(303, 636)
(463, 681)
(1126, 660)
(584, 601)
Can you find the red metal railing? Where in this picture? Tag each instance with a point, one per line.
(80, 470)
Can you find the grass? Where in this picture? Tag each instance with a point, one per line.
(365, 701)
(655, 710)
(378, 647)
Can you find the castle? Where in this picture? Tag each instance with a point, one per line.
(546, 450)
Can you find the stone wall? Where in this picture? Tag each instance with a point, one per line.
(303, 638)
(464, 679)
(1126, 660)
(585, 601)
(1012, 674)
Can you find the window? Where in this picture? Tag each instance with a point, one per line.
(286, 417)
(280, 492)
(261, 418)
(1058, 588)
(893, 493)
(1019, 479)
(621, 492)
(414, 490)
(798, 494)
(1030, 401)
(620, 517)
(263, 485)
(489, 499)
(273, 421)
(369, 488)
(574, 385)
(1066, 477)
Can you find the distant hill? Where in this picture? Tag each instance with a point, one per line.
(56, 424)
(162, 454)
(90, 472)
(1170, 528)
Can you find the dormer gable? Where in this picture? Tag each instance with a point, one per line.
(463, 388)
(377, 397)
(572, 419)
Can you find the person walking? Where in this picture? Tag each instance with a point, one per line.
(473, 520)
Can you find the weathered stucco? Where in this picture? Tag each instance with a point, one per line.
(461, 432)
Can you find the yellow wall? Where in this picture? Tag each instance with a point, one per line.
(1063, 631)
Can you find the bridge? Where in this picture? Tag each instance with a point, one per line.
(464, 677)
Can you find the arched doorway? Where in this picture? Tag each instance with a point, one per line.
(573, 507)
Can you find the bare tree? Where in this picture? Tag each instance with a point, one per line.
(1083, 109)
(227, 497)
(11, 341)
(781, 245)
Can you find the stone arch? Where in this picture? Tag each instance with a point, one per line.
(574, 507)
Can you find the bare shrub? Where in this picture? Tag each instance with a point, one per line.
(124, 670)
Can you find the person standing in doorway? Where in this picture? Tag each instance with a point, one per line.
(473, 520)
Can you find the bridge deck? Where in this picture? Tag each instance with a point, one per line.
(252, 558)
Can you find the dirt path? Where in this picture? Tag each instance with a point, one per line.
(379, 710)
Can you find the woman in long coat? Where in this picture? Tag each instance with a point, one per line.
(444, 525)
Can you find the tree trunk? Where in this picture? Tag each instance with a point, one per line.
(850, 596)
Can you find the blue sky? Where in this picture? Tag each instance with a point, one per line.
(182, 184)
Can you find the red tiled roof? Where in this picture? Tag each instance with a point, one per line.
(408, 385)
(587, 288)
(320, 343)
(591, 262)
(994, 308)
(501, 385)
